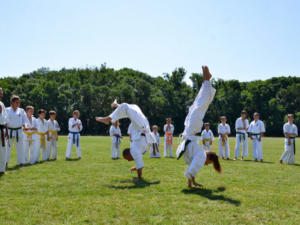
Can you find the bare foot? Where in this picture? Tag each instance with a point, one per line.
(234, 158)
(189, 183)
(197, 185)
(206, 74)
(104, 120)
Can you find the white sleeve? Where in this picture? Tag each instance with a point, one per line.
(219, 129)
(57, 126)
(212, 135)
(285, 128)
(23, 117)
(262, 127)
(296, 130)
(237, 124)
(70, 124)
(229, 131)
(202, 137)
(81, 127)
(111, 131)
(165, 127)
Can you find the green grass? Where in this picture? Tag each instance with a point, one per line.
(98, 190)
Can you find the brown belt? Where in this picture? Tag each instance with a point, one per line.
(2, 127)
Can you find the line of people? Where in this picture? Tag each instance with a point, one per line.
(32, 136)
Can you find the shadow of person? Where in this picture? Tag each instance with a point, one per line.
(134, 183)
(248, 160)
(209, 194)
(16, 167)
(73, 159)
(295, 164)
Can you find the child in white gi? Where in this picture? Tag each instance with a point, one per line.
(140, 133)
(241, 128)
(290, 131)
(30, 136)
(256, 131)
(194, 155)
(224, 131)
(42, 136)
(115, 133)
(54, 128)
(168, 138)
(154, 148)
(3, 133)
(15, 121)
(207, 137)
(75, 126)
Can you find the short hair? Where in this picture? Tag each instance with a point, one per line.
(52, 112)
(14, 98)
(75, 111)
(244, 112)
(223, 117)
(29, 107)
(206, 124)
(290, 115)
(126, 151)
(41, 111)
(154, 126)
(256, 113)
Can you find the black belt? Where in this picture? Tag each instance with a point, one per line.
(143, 134)
(17, 133)
(2, 127)
(243, 135)
(294, 144)
(255, 134)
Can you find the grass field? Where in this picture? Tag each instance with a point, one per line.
(98, 190)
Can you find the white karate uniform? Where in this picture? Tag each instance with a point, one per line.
(156, 146)
(255, 128)
(168, 140)
(288, 154)
(115, 141)
(29, 140)
(53, 127)
(241, 137)
(194, 155)
(205, 135)
(16, 120)
(139, 130)
(41, 141)
(74, 137)
(224, 129)
(3, 121)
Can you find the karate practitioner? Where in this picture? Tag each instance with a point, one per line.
(15, 121)
(53, 129)
(194, 155)
(75, 126)
(224, 131)
(4, 134)
(140, 133)
(115, 133)
(168, 138)
(42, 136)
(256, 131)
(207, 137)
(241, 128)
(30, 136)
(154, 148)
(290, 131)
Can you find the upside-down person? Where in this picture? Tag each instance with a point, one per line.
(140, 133)
(194, 155)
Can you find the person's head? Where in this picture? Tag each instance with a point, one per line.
(223, 119)
(291, 118)
(127, 155)
(1, 93)
(29, 110)
(207, 125)
(42, 113)
(212, 157)
(256, 116)
(244, 114)
(76, 114)
(15, 101)
(116, 124)
(168, 120)
(52, 115)
(155, 128)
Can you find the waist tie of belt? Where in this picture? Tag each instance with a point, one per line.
(205, 140)
(118, 141)
(2, 127)
(242, 136)
(54, 132)
(43, 139)
(29, 136)
(17, 132)
(169, 137)
(294, 144)
(256, 135)
(223, 140)
(155, 148)
(75, 134)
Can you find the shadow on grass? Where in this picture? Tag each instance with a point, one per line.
(208, 193)
(295, 164)
(134, 183)
(248, 160)
(70, 159)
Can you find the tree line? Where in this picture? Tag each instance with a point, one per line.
(92, 90)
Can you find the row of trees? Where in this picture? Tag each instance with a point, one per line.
(92, 90)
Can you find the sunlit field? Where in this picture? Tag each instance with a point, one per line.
(98, 190)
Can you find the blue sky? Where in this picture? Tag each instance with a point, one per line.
(237, 39)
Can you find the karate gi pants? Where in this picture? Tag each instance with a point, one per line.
(168, 147)
(29, 149)
(244, 142)
(41, 148)
(225, 147)
(207, 147)
(137, 149)
(288, 154)
(2, 156)
(257, 152)
(70, 145)
(157, 153)
(115, 150)
(52, 148)
(19, 147)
